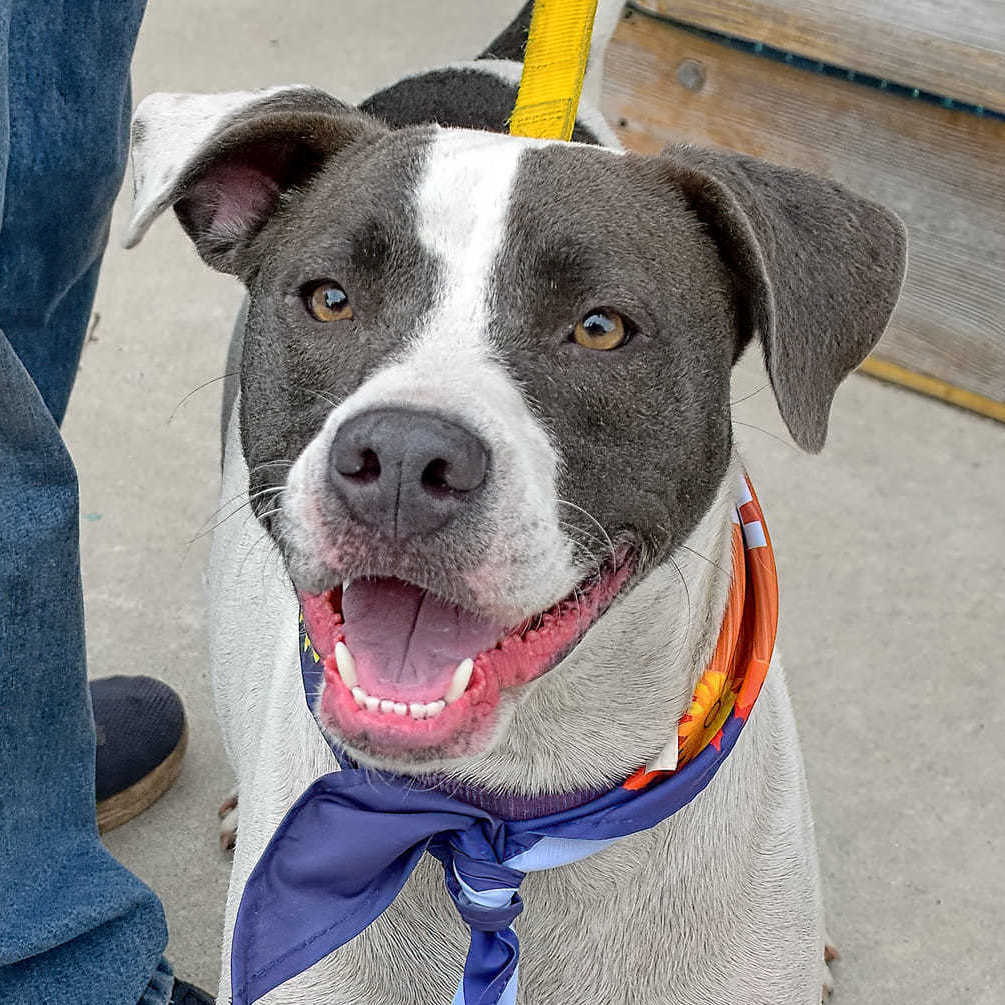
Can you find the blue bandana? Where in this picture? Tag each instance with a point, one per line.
(346, 848)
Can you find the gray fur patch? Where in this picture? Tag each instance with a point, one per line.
(643, 430)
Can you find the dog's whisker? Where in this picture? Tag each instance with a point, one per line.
(196, 390)
(234, 512)
(687, 597)
(317, 394)
(263, 536)
(247, 502)
(593, 519)
(578, 593)
(583, 551)
(747, 397)
(227, 502)
(582, 531)
(784, 442)
(715, 565)
(273, 562)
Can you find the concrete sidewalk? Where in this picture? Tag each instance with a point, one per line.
(890, 547)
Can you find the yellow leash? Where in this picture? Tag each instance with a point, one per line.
(553, 69)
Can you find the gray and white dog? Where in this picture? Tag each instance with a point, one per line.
(485, 385)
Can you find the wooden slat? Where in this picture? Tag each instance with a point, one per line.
(955, 50)
(941, 170)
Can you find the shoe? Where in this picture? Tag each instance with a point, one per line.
(184, 993)
(141, 739)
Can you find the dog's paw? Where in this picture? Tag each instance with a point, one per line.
(228, 822)
(827, 982)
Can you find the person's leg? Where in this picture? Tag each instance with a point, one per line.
(69, 109)
(75, 926)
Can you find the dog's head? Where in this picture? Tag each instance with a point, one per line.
(491, 375)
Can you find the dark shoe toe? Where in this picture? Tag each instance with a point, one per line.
(184, 993)
(141, 735)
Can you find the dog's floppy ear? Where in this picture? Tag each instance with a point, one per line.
(817, 269)
(224, 160)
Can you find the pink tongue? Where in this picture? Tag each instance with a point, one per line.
(407, 642)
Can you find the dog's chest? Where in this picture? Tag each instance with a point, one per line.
(704, 888)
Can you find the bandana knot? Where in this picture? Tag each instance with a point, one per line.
(486, 893)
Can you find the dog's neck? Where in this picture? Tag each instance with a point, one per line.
(640, 664)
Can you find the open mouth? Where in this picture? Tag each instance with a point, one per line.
(405, 671)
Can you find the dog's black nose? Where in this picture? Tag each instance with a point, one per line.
(405, 472)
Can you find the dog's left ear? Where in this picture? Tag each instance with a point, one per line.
(817, 270)
(224, 161)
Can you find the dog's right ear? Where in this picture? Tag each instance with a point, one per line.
(224, 160)
(817, 271)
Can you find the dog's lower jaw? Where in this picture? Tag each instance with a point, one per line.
(497, 681)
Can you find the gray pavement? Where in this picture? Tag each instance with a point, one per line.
(890, 546)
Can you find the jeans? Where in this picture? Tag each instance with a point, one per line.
(75, 926)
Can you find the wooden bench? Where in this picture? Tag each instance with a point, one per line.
(902, 101)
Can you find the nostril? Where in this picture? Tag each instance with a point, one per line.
(370, 469)
(364, 467)
(460, 472)
(434, 478)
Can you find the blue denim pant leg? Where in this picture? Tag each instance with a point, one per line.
(75, 926)
(68, 113)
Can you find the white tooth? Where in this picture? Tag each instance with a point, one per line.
(386, 706)
(400, 708)
(361, 696)
(417, 710)
(459, 683)
(372, 704)
(346, 665)
(435, 708)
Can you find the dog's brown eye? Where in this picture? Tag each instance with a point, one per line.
(329, 302)
(601, 329)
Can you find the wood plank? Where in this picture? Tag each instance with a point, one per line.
(941, 170)
(954, 50)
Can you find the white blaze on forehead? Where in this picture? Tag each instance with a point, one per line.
(462, 204)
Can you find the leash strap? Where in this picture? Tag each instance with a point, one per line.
(554, 65)
(349, 844)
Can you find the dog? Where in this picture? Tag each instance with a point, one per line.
(487, 378)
